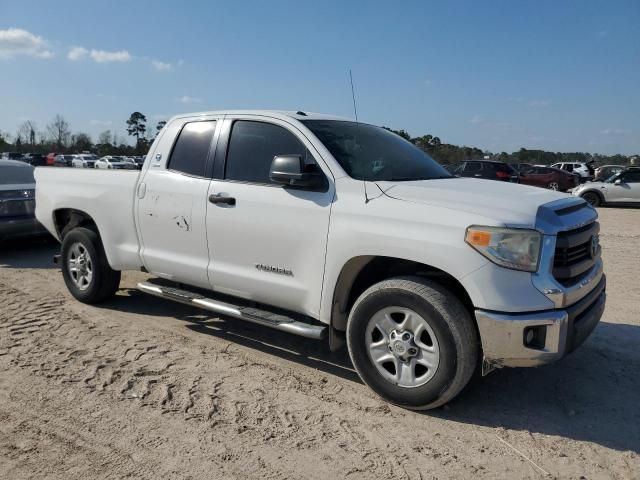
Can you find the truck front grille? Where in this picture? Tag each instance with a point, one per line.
(576, 252)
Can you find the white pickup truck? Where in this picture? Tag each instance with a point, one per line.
(325, 227)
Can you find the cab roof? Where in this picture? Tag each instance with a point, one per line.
(282, 114)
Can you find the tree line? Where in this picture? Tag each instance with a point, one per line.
(448, 154)
(58, 137)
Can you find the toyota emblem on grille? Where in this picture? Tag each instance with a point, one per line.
(593, 250)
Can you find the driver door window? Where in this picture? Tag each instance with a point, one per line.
(252, 147)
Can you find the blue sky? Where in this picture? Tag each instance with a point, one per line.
(558, 75)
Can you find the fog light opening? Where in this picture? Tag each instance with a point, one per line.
(535, 337)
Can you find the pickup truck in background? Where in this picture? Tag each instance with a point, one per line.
(323, 227)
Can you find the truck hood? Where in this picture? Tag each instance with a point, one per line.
(506, 203)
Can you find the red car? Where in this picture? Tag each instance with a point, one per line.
(549, 177)
(51, 159)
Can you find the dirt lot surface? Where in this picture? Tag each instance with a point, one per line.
(144, 388)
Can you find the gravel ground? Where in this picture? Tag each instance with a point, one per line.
(144, 388)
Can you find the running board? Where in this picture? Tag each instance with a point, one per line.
(251, 314)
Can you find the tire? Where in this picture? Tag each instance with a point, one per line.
(93, 280)
(450, 346)
(592, 198)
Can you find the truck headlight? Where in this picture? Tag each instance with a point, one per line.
(513, 248)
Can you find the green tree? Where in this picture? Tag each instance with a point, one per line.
(137, 126)
(59, 132)
(81, 142)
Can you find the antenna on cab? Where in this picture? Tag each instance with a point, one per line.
(353, 96)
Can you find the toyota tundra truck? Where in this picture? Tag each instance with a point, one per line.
(328, 228)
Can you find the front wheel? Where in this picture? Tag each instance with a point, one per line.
(412, 342)
(592, 198)
(85, 268)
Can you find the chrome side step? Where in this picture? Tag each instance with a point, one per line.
(251, 314)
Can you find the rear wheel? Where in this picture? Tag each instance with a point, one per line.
(592, 198)
(85, 268)
(413, 342)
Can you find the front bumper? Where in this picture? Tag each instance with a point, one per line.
(555, 332)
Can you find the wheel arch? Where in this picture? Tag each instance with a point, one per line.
(360, 272)
(66, 219)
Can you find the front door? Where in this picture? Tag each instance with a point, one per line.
(267, 242)
(172, 203)
(628, 191)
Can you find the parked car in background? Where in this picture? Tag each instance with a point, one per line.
(34, 159)
(62, 160)
(11, 156)
(51, 157)
(519, 166)
(131, 161)
(585, 170)
(620, 189)
(549, 177)
(606, 171)
(114, 162)
(17, 201)
(487, 169)
(84, 160)
(139, 160)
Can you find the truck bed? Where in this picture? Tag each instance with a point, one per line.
(107, 196)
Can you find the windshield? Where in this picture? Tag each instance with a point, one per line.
(10, 174)
(372, 153)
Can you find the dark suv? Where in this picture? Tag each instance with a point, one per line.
(488, 169)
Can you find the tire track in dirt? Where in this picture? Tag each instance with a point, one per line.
(226, 410)
(44, 339)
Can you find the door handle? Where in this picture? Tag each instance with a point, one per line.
(222, 199)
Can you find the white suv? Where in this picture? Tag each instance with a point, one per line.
(585, 170)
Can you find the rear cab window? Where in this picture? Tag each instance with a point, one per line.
(191, 150)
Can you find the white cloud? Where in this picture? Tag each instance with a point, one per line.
(539, 103)
(102, 56)
(161, 66)
(15, 41)
(102, 123)
(186, 99)
(615, 131)
(99, 56)
(77, 53)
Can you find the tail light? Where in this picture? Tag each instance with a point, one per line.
(503, 175)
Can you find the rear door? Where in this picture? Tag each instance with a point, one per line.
(532, 176)
(172, 202)
(268, 242)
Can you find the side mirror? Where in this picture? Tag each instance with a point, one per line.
(290, 170)
(618, 182)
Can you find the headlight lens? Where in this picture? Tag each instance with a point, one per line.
(513, 248)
